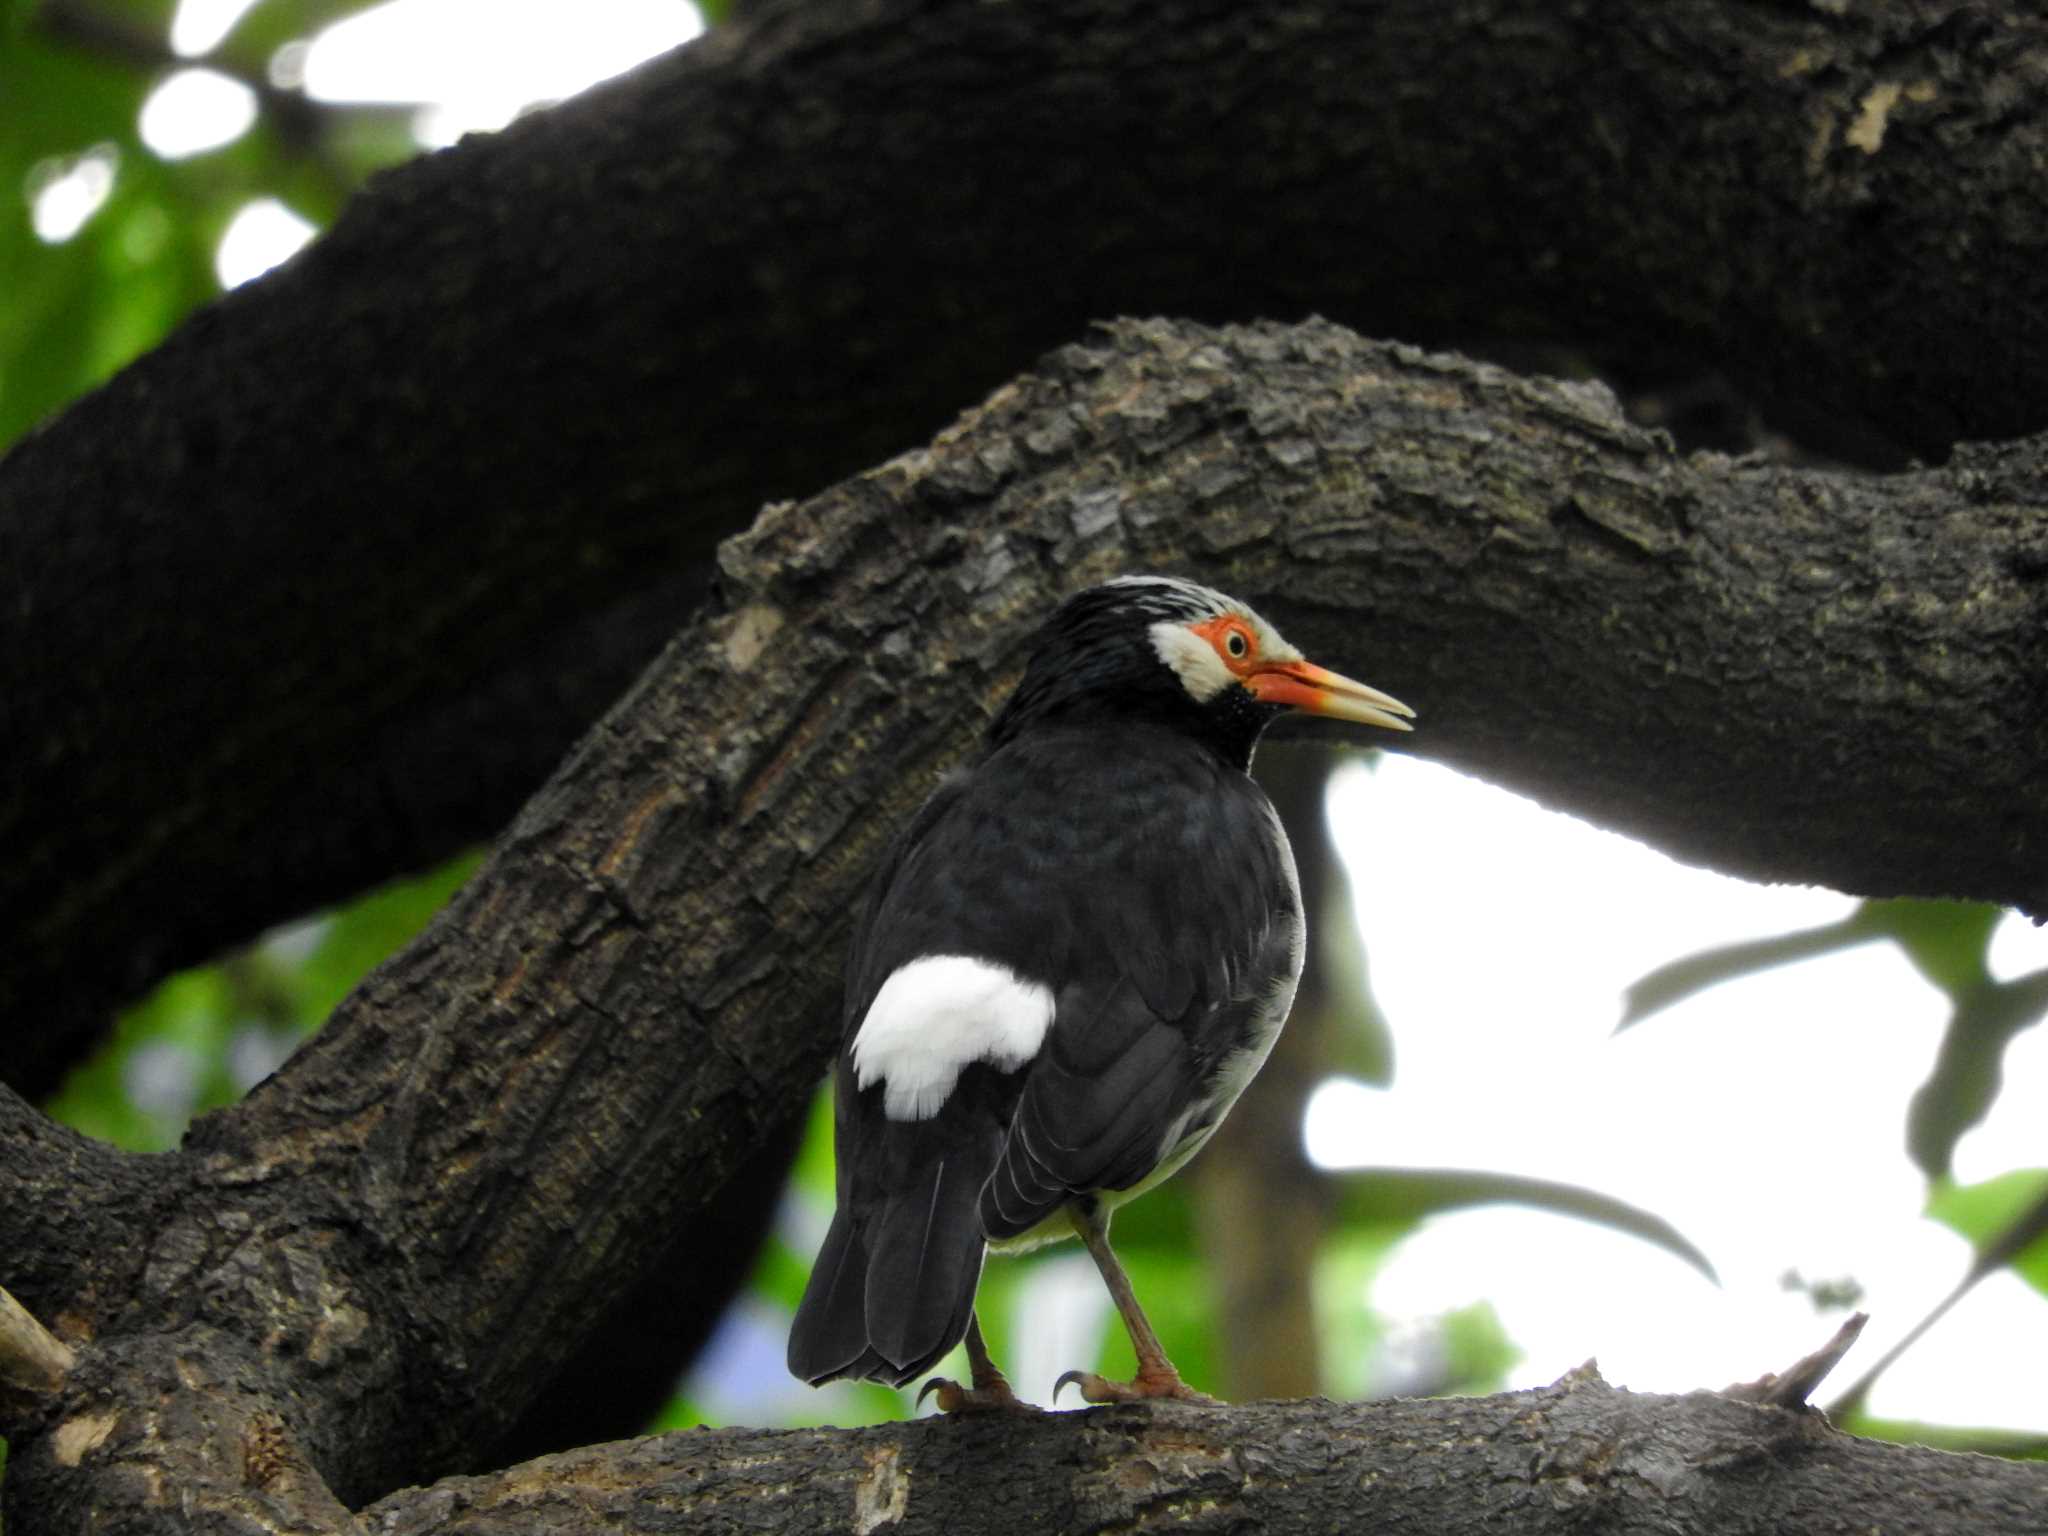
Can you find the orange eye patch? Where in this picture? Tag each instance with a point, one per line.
(1232, 639)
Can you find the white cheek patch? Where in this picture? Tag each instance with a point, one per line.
(1271, 646)
(935, 1016)
(1192, 659)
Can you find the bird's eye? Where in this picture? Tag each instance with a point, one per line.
(1236, 643)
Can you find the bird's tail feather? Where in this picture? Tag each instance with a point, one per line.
(927, 1251)
(830, 1335)
(885, 1306)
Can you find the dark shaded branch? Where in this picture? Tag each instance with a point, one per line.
(522, 378)
(391, 1243)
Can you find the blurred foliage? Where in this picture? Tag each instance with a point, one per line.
(74, 75)
(1947, 942)
(2005, 1219)
(1381, 1196)
(205, 1036)
(1946, 1437)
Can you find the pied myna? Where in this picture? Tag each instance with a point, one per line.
(1069, 965)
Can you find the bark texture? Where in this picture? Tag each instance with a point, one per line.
(1574, 1457)
(527, 378)
(360, 1275)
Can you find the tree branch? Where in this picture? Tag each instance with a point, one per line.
(1576, 1456)
(523, 377)
(389, 1245)
(31, 1358)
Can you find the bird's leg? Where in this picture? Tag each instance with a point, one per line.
(1156, 1376)
(988, 1387)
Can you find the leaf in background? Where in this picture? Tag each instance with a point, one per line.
(1672, 983)
(1946, 940)
(1968, 1068)
(1948, 943)
(1478, 1354)
(138, 1089)
(812, 1173)
(2005, 1219)
(2010, 1444)
(1351, 1335)
(1406, 1195)
(171, 1055)
(364, 933)
(265, 28)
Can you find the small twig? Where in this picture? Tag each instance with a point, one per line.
(1791, 1388)
(32, 1358)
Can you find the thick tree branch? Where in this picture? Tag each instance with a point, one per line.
(524, 376)
(1573, 1457)
(384, 1250)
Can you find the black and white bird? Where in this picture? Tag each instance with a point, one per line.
(1069, 965)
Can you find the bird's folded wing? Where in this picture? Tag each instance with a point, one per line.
(1108, 1092)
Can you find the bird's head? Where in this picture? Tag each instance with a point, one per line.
(1174, 652)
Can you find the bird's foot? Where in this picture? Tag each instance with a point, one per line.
(984, 1397)
(1146, 1386)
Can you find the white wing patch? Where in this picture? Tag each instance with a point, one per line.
(936, 1015)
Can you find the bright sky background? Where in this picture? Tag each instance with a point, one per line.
(1765, 1119)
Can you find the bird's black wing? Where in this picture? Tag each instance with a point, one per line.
(1186, 946)
(1121, 1089)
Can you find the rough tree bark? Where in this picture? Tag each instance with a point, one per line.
(534, 375)
(1573, 1457)
(355, 1278)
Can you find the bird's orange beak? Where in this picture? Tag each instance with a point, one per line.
(1319, 691)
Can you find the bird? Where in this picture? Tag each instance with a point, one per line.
(1067, 966)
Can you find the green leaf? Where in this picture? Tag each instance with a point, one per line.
(1350, 1333)
(1968, 1067)
(1671, 984)
(779, 1275)
(2012, 1445)
(366, 931)
(813, 1172)
(1396, 1196)
(1478, 1352)
(2005, 1219)
(265, 28)
(1946, 940)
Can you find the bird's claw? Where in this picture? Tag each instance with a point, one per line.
(1145, 1387)
(992, 1397)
